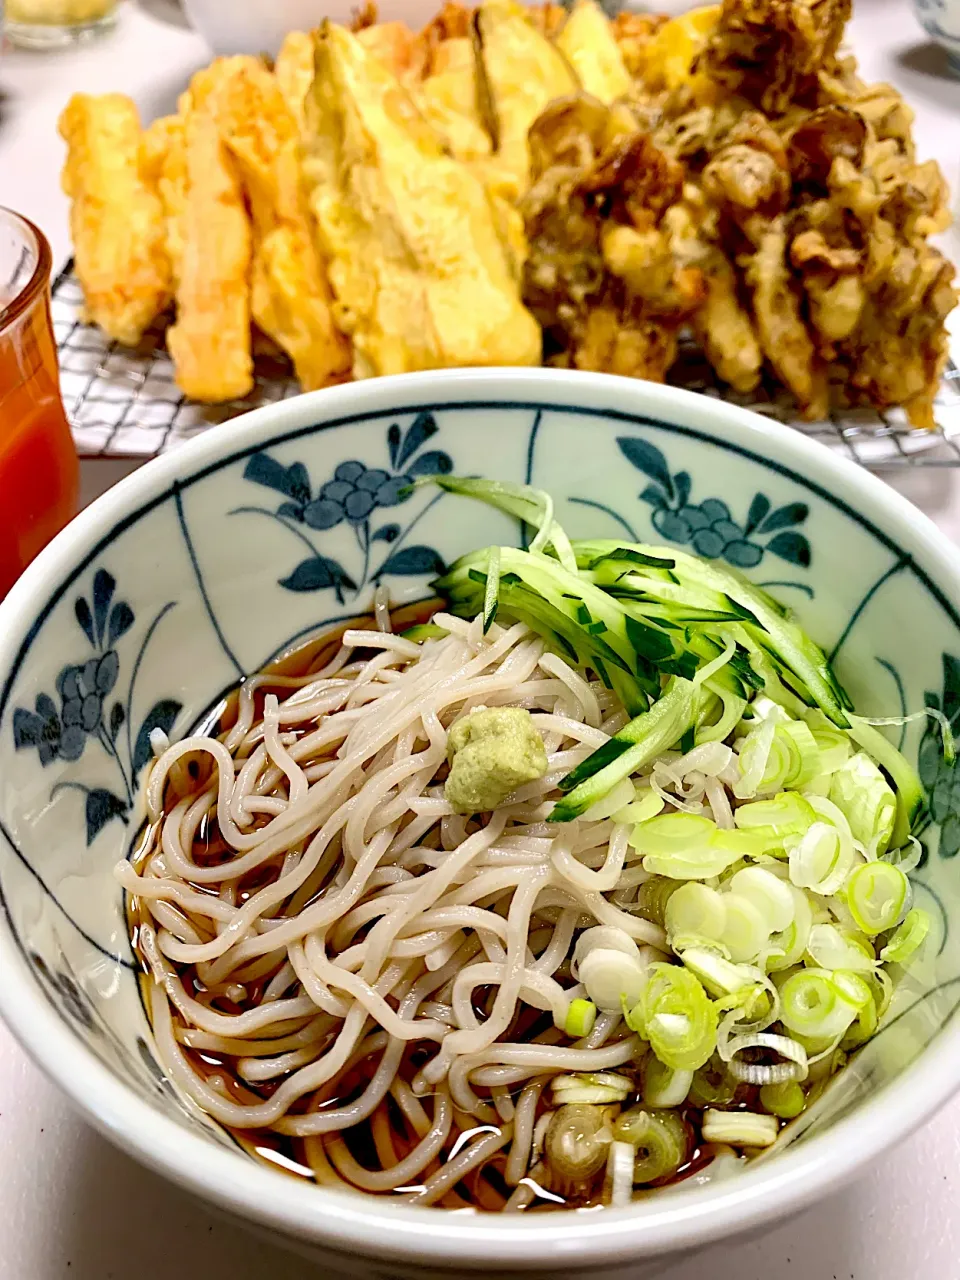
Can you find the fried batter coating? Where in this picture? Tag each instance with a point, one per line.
(165, 160)
(521, 73)
(290, 294)
(588, 44)
(601, 276)
(770, 51)
(421, 276)
(210, 342)
(116, 217)
(293, 71)
(633, 33)
(449, 98)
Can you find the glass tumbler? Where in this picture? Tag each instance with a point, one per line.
(39, 471)
(53, 24)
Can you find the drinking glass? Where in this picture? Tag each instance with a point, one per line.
(39, 472)
(53, 24)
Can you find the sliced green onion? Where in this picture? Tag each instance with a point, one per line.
(829, 948)
(576, 1142)
(618, 797)
(646, 806)
(785, 1101)
(792, 758)
(607, 962)
(907, 937)
(653, 896)
(769, 894)
(833, 745)
(718, 974)
(581, 1016)
(822, 858)
(695, 911)
(676, 1016)
(786, 814)
(793, 1066)
(813, 1005)
(858, 992)
(712, 1085)
(664, 1086)
(688, 846)
(660, 1141)
(610, 978)
(597, 1089)
(877, 895)
(746, 931)
(865, 798)
(732, 708)
(788, 948)
(740, 1128)
(753, 758)
(618, 1180)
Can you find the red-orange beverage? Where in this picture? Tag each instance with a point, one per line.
(39, 473)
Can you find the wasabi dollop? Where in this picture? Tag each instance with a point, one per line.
(492, 752)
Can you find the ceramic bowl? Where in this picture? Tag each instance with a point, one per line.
(209, 561)
(941, 20)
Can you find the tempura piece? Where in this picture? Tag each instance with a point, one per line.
(164, 160)
(421, 276)
(398, 48)
(721, 323)
(547, 18)
(669, 59)
(780, 326)
(522, 72)
(116, 217)
(633, 33)
(602, 277)
(769, 51)
(293, 71)
(449, 98)
(210, 342)
(587, 42)
(290, 294)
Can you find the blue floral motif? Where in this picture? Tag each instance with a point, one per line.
(708, 526)
(84, 689)
(940, 777)
(353, 496)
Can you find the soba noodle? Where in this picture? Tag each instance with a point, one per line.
(343, 915)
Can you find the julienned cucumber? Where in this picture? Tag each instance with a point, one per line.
(647, 620)
(637, 743)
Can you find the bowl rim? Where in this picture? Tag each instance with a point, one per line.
(389, 1230)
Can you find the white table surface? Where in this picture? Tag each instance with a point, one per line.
(73, 1207)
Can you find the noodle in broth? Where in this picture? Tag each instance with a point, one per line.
(330, 944)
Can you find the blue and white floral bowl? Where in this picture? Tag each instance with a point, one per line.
(206, 563)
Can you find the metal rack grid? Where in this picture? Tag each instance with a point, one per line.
(124, 402)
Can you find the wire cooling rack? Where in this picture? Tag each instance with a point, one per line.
(123, 402)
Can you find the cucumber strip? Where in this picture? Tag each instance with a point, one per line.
(531, 506)
(637, 743)
(912, 815)
(491, 595)
(795, 650)
(424, 631)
